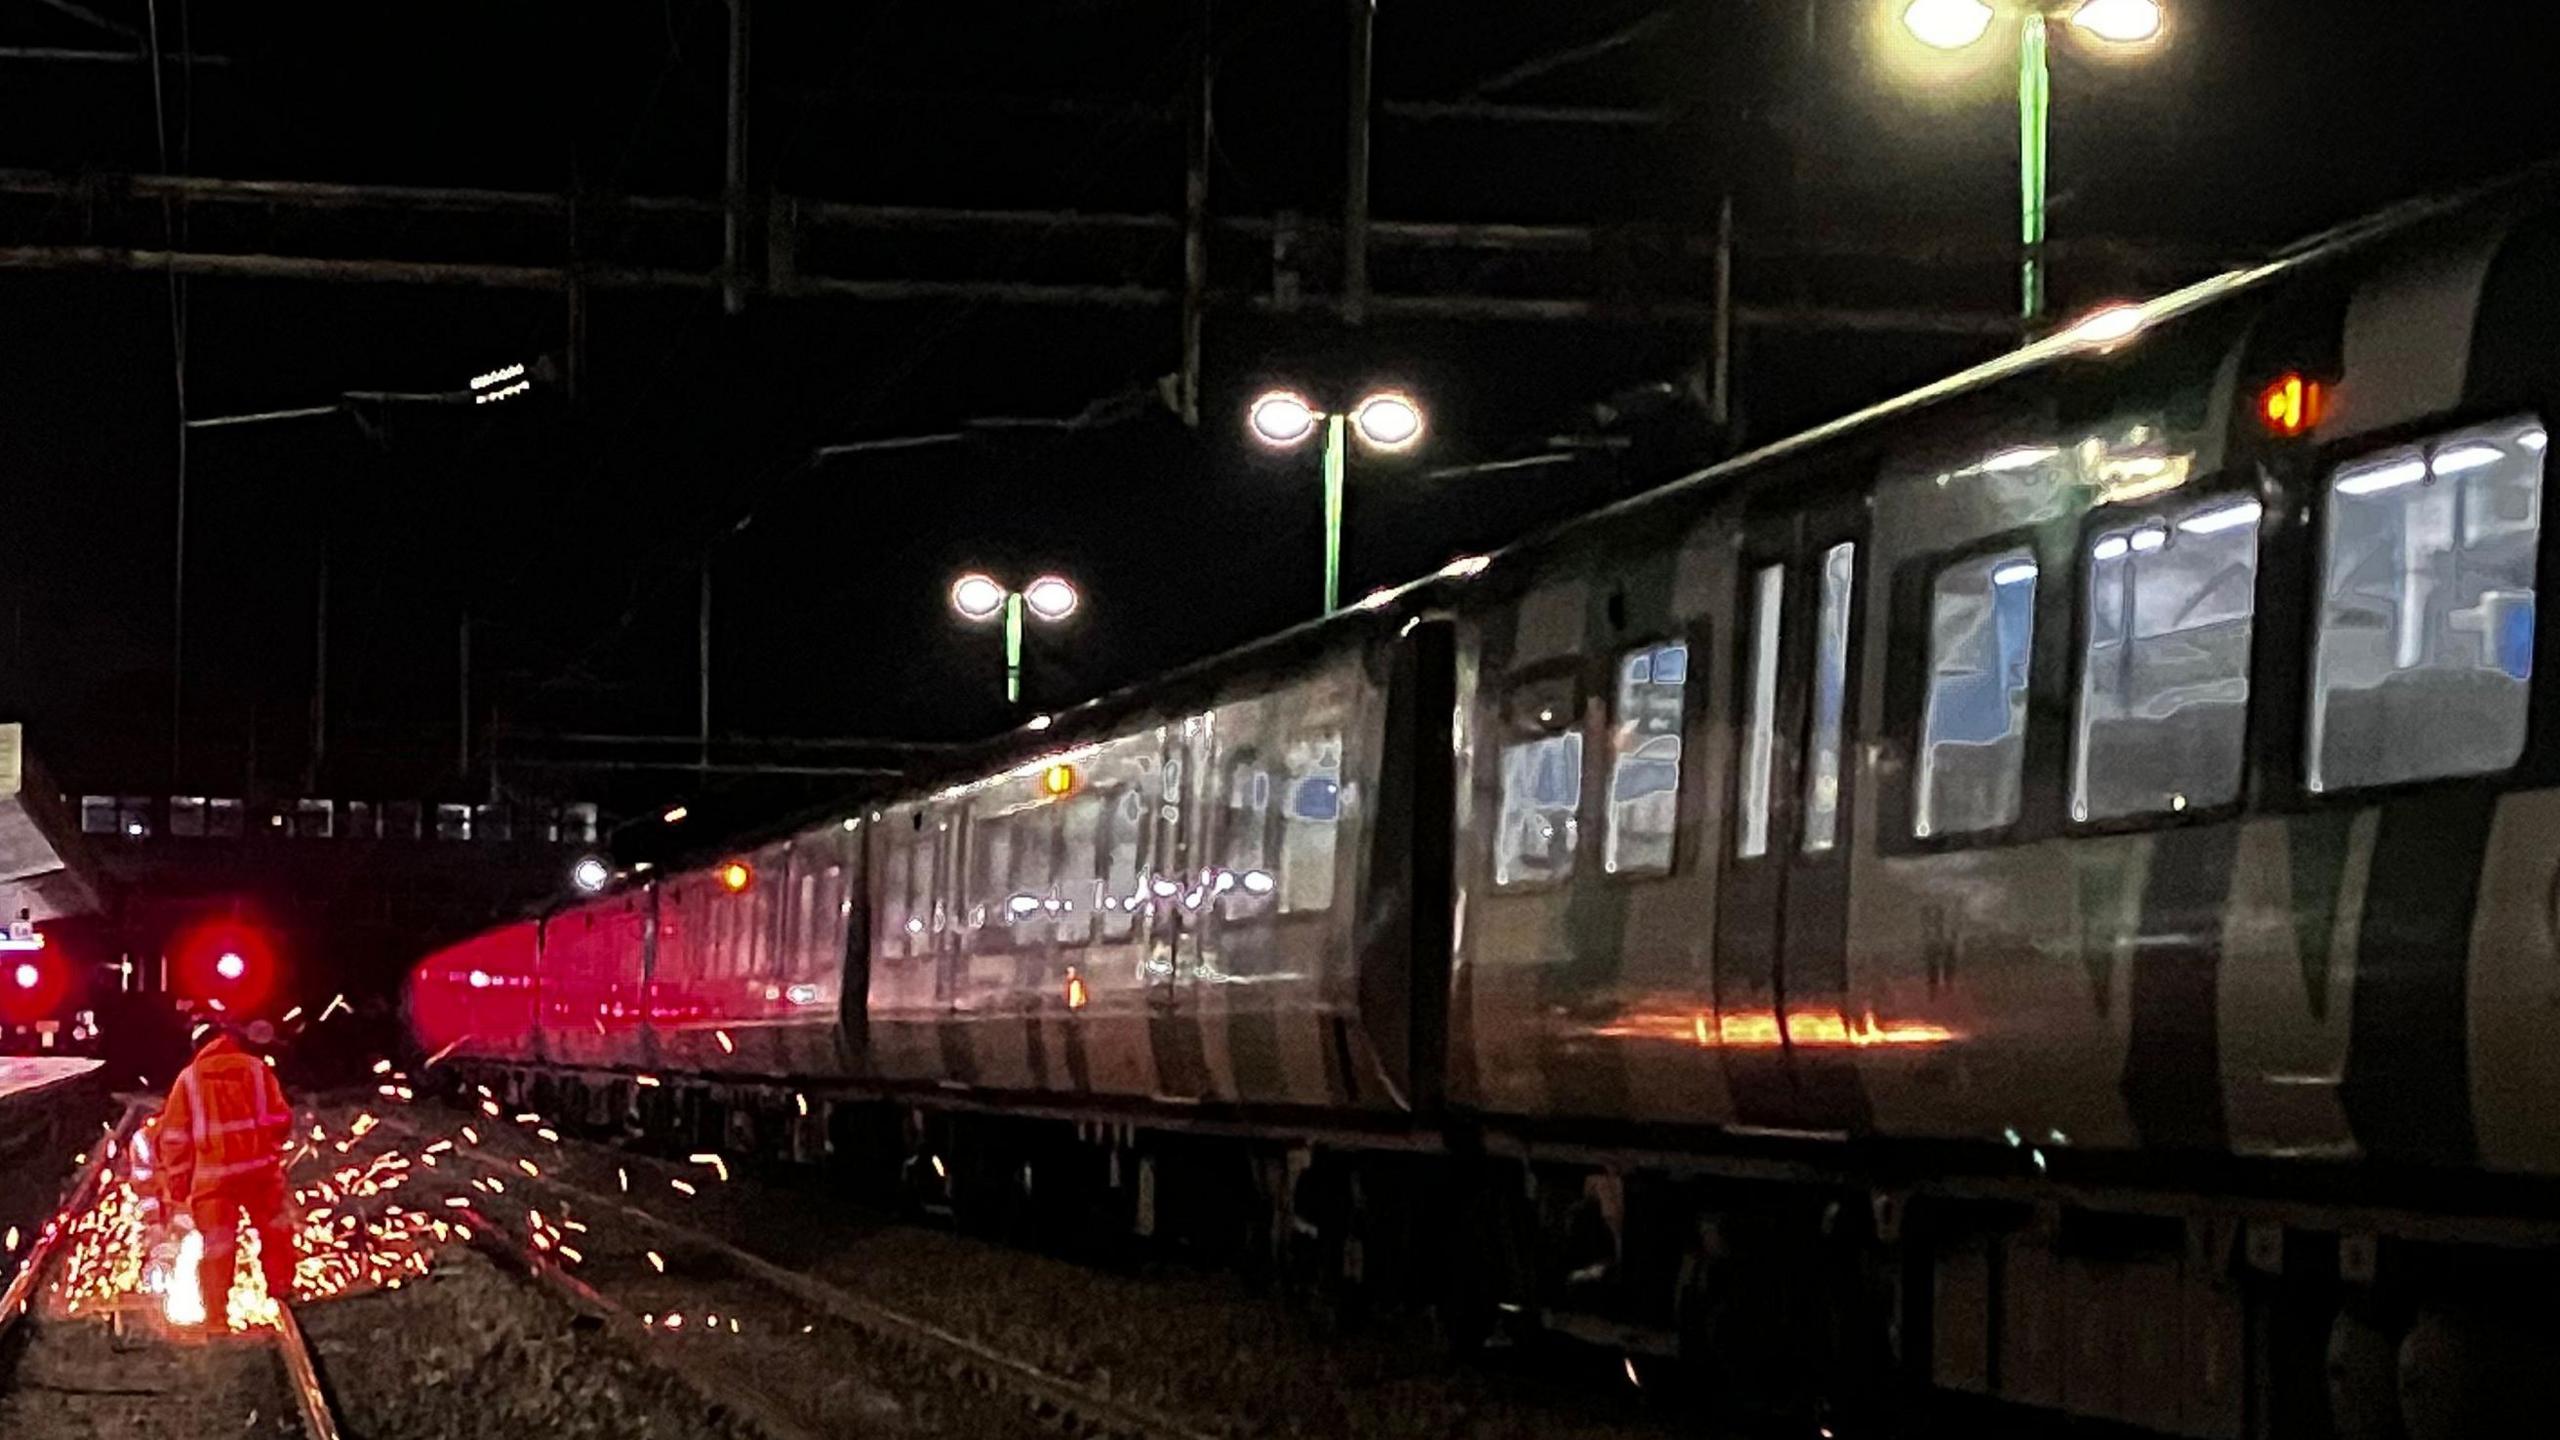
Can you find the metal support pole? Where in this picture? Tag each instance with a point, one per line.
(1720, 393)
(2035, 112)
(320, 671)
(733, 220)
(1195, 218)
(1013, 648)
(702, 691)
(1333, 457)
(462, 712)
(1355, 191)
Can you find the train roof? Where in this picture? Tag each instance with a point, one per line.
(2106, 336)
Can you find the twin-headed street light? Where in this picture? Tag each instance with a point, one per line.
(1955, 24)
(1384, 420)
(978, 597)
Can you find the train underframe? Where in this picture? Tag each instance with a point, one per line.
(1776, 1286)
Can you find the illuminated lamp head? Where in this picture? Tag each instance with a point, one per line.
(1051, 597)
(1390, 420)
(230, 965)
(1281, 418)
(977, 597)
(27, 976)
(1058, 781)
(736, 876)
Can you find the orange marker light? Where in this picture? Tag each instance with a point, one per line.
(1058, 780)
(736, 876)
(2293, 406)
(1076, 996)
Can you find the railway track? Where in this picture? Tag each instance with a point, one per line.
(687, 1294)
(119, 1370)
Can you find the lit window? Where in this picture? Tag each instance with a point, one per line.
(2424, 662)
(1541, 821)
(1310, 817)
(1830, 699)
(1973, 731)
(315, 819)
(1760, 730)
(990, 868)
(1247, 838)
(453, 822)
(98, 815)
(897, 851)
(2164, 672)
(1035, 865)
(1080, 866)
(1644, 762)
(1123, 849)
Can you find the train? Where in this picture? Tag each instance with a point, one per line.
(2040, 897)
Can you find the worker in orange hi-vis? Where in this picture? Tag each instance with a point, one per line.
(221, 1142)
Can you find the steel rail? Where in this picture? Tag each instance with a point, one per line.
(19, 1298)
(1069, 1403)
(309, 1396)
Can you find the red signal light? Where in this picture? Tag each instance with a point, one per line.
(2293, 405)
(228, 960)
(736, 876)
(34, 984)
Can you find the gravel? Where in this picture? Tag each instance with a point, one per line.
(1194, 1344)
(80, 1380)
(469, 1352)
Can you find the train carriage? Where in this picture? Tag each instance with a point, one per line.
(2043, 890)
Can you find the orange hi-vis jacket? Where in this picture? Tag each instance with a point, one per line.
(225, 1124)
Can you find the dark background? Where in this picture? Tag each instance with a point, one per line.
(573, 533)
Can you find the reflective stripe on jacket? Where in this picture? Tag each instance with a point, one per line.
(226, 1118)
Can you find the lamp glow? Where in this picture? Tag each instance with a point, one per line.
(590, 874)
(1949, 24)
(1051, 597)
(1389, 420)
(27, 975)
(736, 876)
(230, 966)
(2108, 327)
(1282, 417)
(2126, 22)
(977, 597)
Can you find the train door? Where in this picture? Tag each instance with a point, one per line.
(1782, 921)
(1177, 900)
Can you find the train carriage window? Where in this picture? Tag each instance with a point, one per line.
(1247, 838)
(2424, 662)
(1758, 774)
(1080, 888)
(1031, 895)
(1973, 729)
(1541, 821)
(1124, 851)
(897, 927)
(990, 867)
(2164, 668)
(1644, 761)
(1310, 818)
(1830, 699)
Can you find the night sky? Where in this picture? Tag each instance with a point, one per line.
(574, 533)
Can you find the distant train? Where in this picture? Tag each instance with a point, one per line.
(2042, 893)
